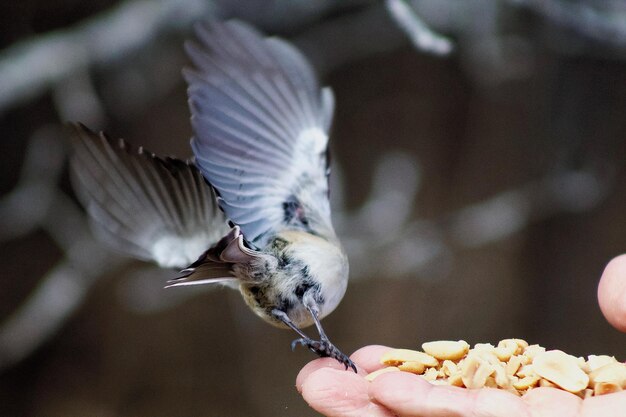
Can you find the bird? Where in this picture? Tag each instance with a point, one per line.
(250, 210)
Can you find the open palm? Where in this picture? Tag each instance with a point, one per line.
(330, 390)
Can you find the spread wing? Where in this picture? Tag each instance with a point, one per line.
(260, 123)
(145, 206)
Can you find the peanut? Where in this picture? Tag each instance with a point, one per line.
(598, 361)
(371, 376)
(612, 373)
(512, 365)
(397, 356)
(412, 366)
(446, 349)
(561, 369)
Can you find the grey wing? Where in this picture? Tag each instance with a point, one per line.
(260, 123)
(154, 209)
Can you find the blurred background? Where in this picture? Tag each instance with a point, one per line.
(478, 187)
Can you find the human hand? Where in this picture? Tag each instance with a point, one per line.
(612, 293)
(333, 392)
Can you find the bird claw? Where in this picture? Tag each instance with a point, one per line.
(325, 349)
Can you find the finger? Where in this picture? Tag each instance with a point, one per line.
(409, 395)
(337, 393)
(368, 357)
(612, 293)
(608, 405)
(315, 365)
(367, 360)
(550, 402)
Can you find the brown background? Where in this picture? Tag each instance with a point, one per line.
(209, 356)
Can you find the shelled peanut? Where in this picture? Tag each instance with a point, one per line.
(512, 365)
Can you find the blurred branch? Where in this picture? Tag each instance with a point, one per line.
(31, 67)
(59, 293)
(40, 172)
(37, 202)
(76, 98)
(513, 210)
(409, 248)
(607, 26)
(422, 37)
(51, 61)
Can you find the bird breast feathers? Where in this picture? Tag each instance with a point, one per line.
(325, 258)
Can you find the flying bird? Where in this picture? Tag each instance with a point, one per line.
(251, 209)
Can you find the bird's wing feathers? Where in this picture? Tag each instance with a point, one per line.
(152, 208)
(228, 250)
(260, 124)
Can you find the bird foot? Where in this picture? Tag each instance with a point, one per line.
(325, 349)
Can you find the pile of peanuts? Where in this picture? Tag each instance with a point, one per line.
(512, 365)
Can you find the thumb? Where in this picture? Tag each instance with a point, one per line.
(612, 293)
